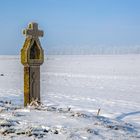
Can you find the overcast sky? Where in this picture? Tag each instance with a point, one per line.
(71, 25)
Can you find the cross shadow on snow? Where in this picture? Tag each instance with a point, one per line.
(122, 116)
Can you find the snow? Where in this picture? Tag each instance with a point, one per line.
(73, 89)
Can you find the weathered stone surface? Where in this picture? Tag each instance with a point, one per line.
(32, 56)
(26, 85)
(35, 83)
(33, 31)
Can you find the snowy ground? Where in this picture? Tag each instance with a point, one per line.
(73, 88)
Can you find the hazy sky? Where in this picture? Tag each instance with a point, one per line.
(70, 24)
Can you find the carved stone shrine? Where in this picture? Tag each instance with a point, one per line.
(32, 56)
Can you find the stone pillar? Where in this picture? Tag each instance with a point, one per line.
(26, 85)
(32, 56)
(31, 84)
(35, 83)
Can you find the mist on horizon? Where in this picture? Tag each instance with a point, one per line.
(73, 27)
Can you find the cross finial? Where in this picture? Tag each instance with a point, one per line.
(32, 31)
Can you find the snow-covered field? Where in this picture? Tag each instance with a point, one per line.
(73, 89)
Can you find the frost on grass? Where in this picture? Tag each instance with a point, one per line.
(16, 122)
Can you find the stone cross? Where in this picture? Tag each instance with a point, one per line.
(33, 31)
(32, 56)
